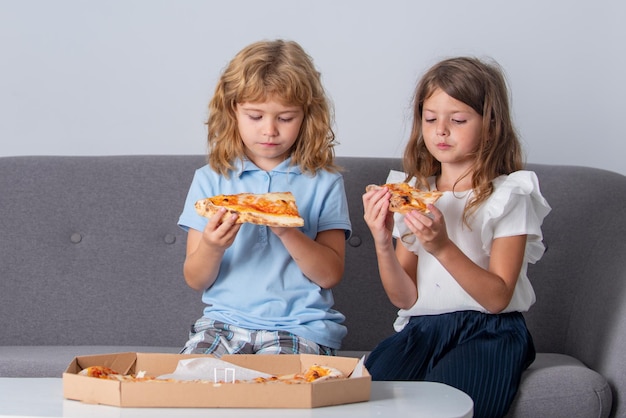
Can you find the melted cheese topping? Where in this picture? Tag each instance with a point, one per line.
(405, 196)
(272, 203)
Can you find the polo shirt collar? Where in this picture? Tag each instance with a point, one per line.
(245, 164)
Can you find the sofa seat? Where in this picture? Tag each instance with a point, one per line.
(558, 385)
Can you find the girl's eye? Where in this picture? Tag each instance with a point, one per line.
(254, 117)
(429, 120)
(459, 121)
(285, 119)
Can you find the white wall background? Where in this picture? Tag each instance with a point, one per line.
(80, 77)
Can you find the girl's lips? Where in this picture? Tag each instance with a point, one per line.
(443, 145)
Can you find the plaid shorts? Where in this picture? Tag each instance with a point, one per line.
(208, 336)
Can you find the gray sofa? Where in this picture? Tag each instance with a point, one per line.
(91, 262)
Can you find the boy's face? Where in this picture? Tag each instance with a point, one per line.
(268, 131)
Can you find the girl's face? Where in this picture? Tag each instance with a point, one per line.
(268, 131)
(451, 130)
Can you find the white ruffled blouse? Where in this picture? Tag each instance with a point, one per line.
(516, 207)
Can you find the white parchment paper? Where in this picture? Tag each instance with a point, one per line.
(212, 369)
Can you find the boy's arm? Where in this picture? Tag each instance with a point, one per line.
(205, 250)
(321, 260)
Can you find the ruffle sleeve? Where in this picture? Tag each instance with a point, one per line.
(516, 207)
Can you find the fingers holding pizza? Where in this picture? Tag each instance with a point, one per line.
(377, 215)
(206, 248)
(429, 230)
(226, 213)
(221, 230)
(406, 198)
(276, 209)
(380, 201)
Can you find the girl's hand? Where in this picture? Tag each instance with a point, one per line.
(377, 216)
(431, 231)
(397, 266)
(492, 287)
(219, 234)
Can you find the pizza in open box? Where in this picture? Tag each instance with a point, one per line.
(314, 373)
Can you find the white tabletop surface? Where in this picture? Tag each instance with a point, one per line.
(43, 397)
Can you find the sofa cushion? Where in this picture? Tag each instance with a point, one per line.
(557, 385)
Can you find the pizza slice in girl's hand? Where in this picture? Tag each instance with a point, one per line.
(271, 209)
(405, 198)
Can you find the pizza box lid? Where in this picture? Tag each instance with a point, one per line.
(215, 395)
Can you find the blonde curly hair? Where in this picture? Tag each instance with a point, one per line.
(279, 70)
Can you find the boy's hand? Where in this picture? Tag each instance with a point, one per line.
(220, 234)
(280, 231)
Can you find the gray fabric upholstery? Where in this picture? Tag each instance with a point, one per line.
(91, 262)
(580, 393)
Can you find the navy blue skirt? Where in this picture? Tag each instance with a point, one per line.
(483, 355)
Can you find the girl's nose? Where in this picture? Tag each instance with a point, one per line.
(442, 129)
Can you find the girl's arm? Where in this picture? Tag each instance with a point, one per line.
(398, 273)
(492, 288)
(321, 260)
(397, 267)
(205, 250)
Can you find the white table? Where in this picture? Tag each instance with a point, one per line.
(43, 397)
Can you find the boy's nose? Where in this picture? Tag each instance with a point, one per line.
(270, 129)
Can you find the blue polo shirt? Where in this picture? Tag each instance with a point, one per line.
(259, 285)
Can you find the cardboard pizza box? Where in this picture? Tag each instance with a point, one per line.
(209, 394)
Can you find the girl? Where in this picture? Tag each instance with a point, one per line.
(267, 289)
(459, 275)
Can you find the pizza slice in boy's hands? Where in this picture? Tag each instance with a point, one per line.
(270, 209)
(405, 198)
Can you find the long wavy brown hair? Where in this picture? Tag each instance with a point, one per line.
(279, 70)
(482, 86)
